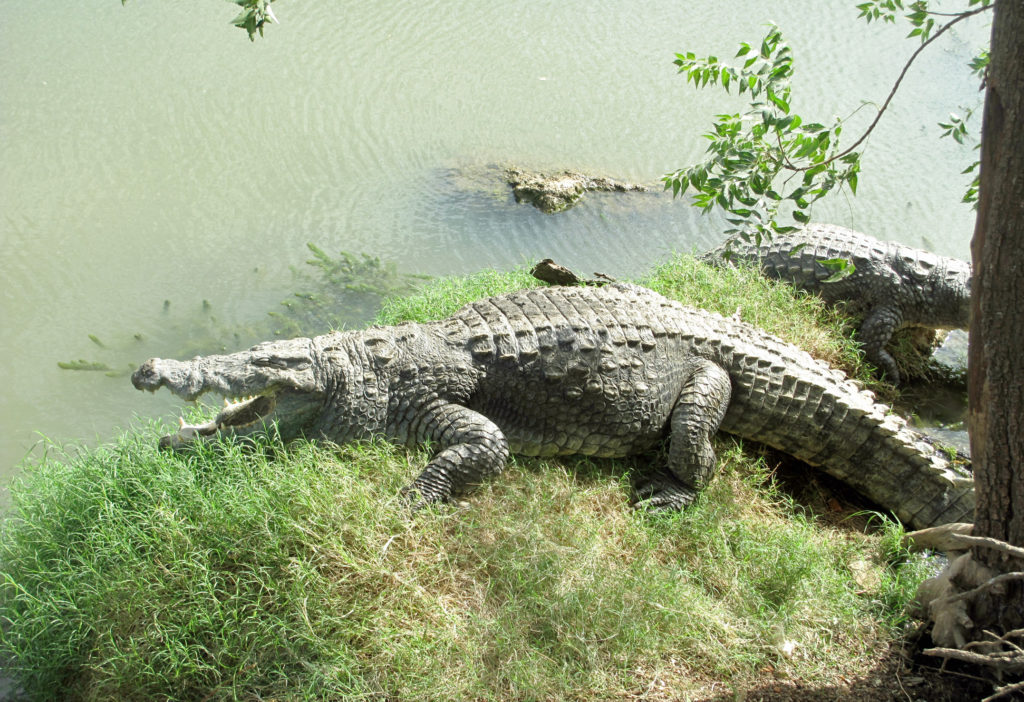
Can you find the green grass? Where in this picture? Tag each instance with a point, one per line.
(793, 315)
(295, 573)
(443, 296)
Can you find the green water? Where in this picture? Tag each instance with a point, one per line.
(151, 153)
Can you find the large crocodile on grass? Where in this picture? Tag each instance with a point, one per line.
(892, 286)
(609, 371)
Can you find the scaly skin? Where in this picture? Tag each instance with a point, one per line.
(608, 371)
(893, 286)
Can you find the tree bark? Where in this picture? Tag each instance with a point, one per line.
(996, 355)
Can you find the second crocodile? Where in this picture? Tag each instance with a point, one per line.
(892, 286)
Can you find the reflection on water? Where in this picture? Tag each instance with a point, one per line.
(152, 153)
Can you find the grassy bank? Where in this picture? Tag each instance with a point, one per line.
(293, 572)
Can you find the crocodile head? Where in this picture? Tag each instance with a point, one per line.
(952, 296)
(279, 381)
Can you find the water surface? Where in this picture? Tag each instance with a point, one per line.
(153, 158)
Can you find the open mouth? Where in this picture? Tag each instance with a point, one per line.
(237, 417)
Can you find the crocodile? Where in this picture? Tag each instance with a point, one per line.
(892, 286)
(551, 193)
(605, 371)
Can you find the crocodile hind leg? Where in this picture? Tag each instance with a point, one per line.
(878, 327)
(696, 416)
(472, 448)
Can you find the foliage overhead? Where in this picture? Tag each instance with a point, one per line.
(767, 166)
(254, 15)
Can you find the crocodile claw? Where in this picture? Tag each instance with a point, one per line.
(416, 500)
(662, 492)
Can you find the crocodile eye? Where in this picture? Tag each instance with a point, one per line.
(281, 363)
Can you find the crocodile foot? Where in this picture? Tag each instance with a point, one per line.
(237, 418)
(662, 492)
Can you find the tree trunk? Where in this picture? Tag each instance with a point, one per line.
(996, 355)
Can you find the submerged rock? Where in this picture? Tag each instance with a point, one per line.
(950, 357)
(552, 193)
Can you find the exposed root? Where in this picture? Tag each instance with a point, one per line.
(1008, 660)
(949, 597)
(965, 539)
(1002, 661)
(991, 582)
(940, 538)
(1005, 690)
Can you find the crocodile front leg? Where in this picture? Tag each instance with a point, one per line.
(696, 416)
(473, 449)
(878, 327)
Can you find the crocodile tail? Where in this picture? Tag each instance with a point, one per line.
(784, 398)
(904, 471)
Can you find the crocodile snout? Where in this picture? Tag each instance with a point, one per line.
(182, 379)
(147, 377)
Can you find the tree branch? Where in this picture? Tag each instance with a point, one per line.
(899, 80)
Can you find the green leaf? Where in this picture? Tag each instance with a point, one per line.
(842, 268)
(779, 101)
(979, 63)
